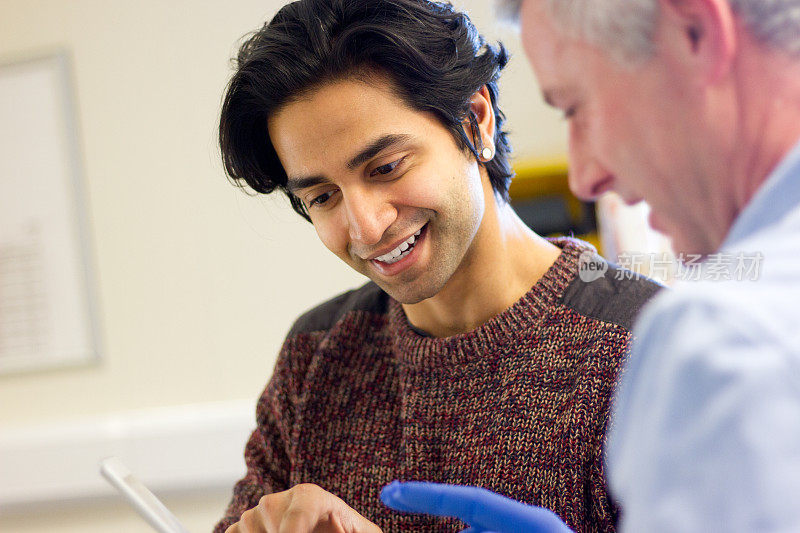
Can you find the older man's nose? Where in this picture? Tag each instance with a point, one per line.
(588, 178)
(589, 181)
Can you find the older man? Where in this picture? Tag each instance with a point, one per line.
(693, 106)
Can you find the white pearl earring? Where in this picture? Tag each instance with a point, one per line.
(487, 154)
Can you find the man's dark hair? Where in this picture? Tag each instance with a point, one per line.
(433, 54)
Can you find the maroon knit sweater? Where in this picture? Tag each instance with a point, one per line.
(519, 405)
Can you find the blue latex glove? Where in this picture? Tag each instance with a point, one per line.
(483, 510)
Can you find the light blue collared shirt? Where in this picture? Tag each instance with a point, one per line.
(705, 433)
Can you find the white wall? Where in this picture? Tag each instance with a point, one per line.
(197, 283)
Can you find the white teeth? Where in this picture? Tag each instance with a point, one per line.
(396, 259)
(394, 255)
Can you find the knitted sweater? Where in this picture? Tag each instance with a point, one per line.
(519, 405)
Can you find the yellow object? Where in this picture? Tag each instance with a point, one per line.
(536, 178)
(542, 177)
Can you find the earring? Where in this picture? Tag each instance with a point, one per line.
(487, 154)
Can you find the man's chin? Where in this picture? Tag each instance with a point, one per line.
(687, 246)
(407, 296)
(409, 293)
(683, 239)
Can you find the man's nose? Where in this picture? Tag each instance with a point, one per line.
(368, 216)
(588, 178)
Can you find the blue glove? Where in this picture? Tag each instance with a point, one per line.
(483, 510)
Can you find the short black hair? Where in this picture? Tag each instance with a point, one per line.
(432, 52)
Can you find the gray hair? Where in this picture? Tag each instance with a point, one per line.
(626, 28)
(508, 10)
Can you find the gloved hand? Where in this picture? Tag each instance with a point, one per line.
(483, 510)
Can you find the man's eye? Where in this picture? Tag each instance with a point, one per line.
(321, 199)
(387, 168)
(569, 112)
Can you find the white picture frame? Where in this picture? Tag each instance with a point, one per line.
(47, 308)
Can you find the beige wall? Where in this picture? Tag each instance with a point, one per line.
(197, 283)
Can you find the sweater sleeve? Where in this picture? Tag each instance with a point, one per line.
(268, 450)
(604, 513)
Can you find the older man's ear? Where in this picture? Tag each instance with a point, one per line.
(700, 36)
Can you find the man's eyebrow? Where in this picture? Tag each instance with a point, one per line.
(298, 184)
(376, 147)
(294, 184)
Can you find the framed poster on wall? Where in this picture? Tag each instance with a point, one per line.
(47, 316)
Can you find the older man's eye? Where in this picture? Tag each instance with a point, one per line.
(387, 168)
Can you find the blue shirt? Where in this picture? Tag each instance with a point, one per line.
(705, 434)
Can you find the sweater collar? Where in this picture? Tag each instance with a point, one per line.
(418, 350)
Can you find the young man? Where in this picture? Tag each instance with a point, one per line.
(476, 354)
(694, 106)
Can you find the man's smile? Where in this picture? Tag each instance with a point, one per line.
(402, 256)
(405, 247)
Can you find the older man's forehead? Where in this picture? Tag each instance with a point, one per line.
(545, 45)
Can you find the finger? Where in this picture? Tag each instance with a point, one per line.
(314, 509)
(298, 520)
(267, 515)
(306, 505)
(477, 507)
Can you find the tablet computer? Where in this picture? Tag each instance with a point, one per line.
(145, 502)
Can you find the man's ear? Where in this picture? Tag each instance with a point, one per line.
(701, 34)
(481, 107)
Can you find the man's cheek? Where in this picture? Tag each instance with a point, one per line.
(334, 239)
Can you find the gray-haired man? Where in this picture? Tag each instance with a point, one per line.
(693, 106)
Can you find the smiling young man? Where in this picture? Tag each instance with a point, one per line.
(476, 354)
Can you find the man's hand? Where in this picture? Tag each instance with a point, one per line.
(304, 508)
(483, 510)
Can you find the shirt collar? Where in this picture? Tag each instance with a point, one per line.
(779, 195)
